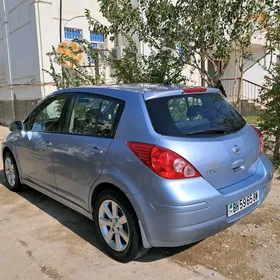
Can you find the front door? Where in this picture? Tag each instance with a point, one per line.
(80, 152)
(35, 148)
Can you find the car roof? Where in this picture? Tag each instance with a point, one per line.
(149, 91)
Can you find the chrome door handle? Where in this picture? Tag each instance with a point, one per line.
(95, 151)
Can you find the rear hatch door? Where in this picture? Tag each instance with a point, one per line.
(208, 132)
(222, 161)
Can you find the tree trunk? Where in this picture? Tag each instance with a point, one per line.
(240, 88)
(202, 66)
(97, 70)
(235, 71)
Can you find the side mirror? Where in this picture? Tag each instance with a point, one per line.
(16, 126)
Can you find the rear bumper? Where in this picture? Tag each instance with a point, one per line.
(173, 236)
(190, 217)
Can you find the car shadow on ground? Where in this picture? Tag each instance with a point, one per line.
(81, 225)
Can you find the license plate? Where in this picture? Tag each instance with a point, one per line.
(243, 203)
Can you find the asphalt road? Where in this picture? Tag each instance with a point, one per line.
(42, 239)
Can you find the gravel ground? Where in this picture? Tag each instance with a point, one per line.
(42, 239)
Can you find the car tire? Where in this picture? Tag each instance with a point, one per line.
(119, 227)
(11, 172)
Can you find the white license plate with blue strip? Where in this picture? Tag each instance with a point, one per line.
(241, 204)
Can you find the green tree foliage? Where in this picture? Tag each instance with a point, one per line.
(79, 74)
(272, 26)
(160, 67)
(270, 119)
(270, 97)
(206, 30)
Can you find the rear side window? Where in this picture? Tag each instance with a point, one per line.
(95, 116)
(193, 114)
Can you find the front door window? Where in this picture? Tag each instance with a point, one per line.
(47, 118)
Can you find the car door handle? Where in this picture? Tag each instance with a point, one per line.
(95, 151)
(48, 144)
(238, 164)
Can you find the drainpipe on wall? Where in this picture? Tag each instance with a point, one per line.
(40, 46)
(60, 21)
(9, 61)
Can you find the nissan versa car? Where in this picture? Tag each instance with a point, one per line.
(152, 165)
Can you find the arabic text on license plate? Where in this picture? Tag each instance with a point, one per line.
(242, 203)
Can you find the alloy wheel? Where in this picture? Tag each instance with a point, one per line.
(10, 172)
(113, 225)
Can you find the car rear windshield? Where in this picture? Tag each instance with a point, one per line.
(193, 114)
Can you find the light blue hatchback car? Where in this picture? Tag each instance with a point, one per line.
(152, 165)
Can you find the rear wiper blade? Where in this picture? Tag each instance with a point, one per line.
(209, 131)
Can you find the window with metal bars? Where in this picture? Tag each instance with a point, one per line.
(98, 41)
(72, 33)
(96, 37)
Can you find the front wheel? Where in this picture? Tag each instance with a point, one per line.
(117, 226)
(11, 172)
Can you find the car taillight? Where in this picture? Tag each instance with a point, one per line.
(261, 139)
(195, 89)
(163, 162)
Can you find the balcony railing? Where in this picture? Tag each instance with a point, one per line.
(249, 90)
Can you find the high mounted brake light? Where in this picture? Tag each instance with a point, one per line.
(195, 89)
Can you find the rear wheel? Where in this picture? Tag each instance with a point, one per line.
(11, 172)
(117, 226)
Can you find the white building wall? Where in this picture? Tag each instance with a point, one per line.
(72, 17)
(32, 28)
(256, 73)
(18, 45)
(28, 29)
(4, 63)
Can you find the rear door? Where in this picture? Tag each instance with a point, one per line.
(208, 132)
(80, 153)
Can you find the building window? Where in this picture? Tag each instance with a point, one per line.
(97, 41)
(72, 33)
(96, 37)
